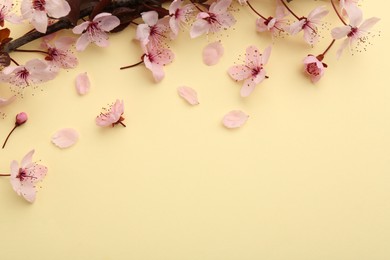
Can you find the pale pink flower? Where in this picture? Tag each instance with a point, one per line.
(34, 72)
(309, 25)
(60, 55)
(155, 59)
(95, 31)
(356, 31)
(25, 177)
(214, 20)
(276, 24)
(314, 67)
(153, 30)
(178, 15)
(37, 12)
(112, 115)
(252, 72)
(6, 14)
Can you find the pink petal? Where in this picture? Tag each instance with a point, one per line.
(65, 138)
(79, 29)
(107, 22)
(266, 54)
(150, 18)
(27, 159)
(239, 72)
(57, 8)
(248, 87)
(252, 56)
(6, 101)
(368, 24)
(212, 53)
(199, 27)
(220, 6)
(318, 13)
(82, 83)
(64, 43)
(355, 16)
(188, 94)
(82, 42)
(234, 119)
(340, 32)
(28, 191)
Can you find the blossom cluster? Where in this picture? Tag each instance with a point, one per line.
(156, 25)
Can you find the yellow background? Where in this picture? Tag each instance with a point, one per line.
(307, 177)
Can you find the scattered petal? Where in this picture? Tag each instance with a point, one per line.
(188, 94)
(235, 119)
(212, 53)
(82, 83)
(6, 101)
(65, 138)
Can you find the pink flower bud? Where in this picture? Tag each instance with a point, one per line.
(21, 118)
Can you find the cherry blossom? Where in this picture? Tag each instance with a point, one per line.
(25, 177)
(60, 55)
(37, 12)
(111, 116)
(95, 31)
(6, 14)
(155, 59)
(178, 15)
(20, 119)
(34, 72)
(276, 24)
(153, 30)
(356, 31)
(314, 67)
(309, 25)
(252, 72)
(212, 53)
(215, 19)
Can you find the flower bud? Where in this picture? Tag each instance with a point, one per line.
(21, 118)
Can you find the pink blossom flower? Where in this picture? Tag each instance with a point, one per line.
(112, 115)
(155, 59)
(276, 24)
(34, 72)
(309, 25)
(153, 30)
(252, 72)
(60, 55)
(215, 19)
(6, 14)
(314, 67)
(178, 15)
(95, 30)
(25, 177)
(356, 31)
(37, 12)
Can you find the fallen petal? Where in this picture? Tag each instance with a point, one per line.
(188, 94)
(65, 137)
(82, 83)
(212, 53)
(234, 119)
(6, 101)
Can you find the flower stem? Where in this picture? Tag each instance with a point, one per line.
(14, 61)
(288, 9)
(338, 14)
(5, 142)
(253, 9)
(5, 174)
(39, 51)
(131, 66)
(196, 6)
(330, 46)
(122, 124)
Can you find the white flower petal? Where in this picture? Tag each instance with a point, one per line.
(188, 94)
(65, 137)
(234, 119)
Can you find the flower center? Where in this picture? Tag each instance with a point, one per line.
(312, 69)
(23, 74)
(23, 175)
(39, 5)
(256, 71)
(212, 18)
(353, 31)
